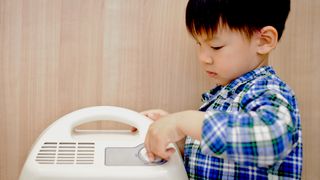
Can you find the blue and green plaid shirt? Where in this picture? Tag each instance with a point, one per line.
(251, 131)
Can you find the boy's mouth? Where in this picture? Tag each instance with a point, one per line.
(211, 74)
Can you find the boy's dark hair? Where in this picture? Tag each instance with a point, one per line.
(247, 16)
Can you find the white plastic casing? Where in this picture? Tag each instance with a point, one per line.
(94, 168)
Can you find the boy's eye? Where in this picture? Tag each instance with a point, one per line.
(216, 47)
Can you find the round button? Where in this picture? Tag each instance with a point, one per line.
(143, 155)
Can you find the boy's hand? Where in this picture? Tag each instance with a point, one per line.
(153, 114)
(162, 132)
(172, 128)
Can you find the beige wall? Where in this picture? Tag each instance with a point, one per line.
(57, 56)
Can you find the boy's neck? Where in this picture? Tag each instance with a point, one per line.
(264, 61)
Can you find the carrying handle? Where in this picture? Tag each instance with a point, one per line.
(67, 123)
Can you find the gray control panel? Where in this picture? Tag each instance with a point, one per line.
(129, 156)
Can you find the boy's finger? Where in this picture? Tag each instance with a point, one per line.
(151, 156)
(133, 129)
(144, 113)
(146, 142)
(170, 151)
(167, 153)
(159, 149)
(155, 116)
(162, 112)
(155, 111)
(150, 115)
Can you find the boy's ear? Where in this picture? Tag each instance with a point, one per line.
(267, 40)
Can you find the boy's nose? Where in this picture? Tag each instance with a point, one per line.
(204, 57)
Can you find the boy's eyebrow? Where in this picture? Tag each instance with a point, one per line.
(208, 38)
(211, 38)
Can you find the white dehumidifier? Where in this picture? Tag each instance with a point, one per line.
(60, 153)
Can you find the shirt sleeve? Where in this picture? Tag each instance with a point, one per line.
(259, 136)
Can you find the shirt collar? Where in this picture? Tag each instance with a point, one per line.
(225, 91)
(211, 94)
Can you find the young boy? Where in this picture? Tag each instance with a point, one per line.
(249, 124)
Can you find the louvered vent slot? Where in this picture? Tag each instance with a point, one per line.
(47, 153)
(85, 153)
(66, 153)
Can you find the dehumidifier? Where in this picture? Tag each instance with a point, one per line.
(62, 153)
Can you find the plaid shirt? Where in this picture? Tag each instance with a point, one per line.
(251, 131)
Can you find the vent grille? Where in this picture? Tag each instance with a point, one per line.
(66, 153)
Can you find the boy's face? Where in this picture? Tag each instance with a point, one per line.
(228, 54)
